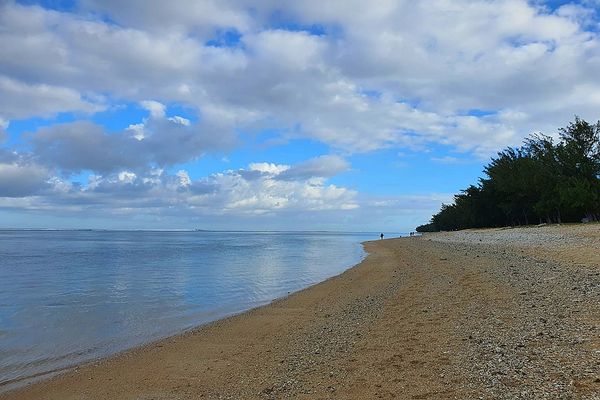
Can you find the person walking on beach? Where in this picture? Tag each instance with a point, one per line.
(381, 236)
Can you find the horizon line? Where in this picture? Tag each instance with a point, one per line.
(190, 230)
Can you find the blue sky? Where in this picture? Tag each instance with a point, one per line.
(275, 115)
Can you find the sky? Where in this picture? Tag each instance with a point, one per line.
(275, 115)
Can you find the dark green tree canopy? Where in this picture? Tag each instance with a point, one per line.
(541, 181)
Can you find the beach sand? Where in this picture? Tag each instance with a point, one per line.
(501, 313)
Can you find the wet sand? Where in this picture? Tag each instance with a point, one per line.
(474, 314)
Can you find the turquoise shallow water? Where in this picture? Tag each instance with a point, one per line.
(68, 297)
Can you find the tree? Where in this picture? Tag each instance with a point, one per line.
(545, 176)
(579, 159)
(541, 180)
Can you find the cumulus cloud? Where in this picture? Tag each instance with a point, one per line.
(157, 110)
(448, 160)
(427, 64)
(90, 56)
(158, 140)
(187, 15)
(260, 193)
(20, 100)
(78, 146)
(229, 192)
(237, 193)
(323, 166)
(22, 180)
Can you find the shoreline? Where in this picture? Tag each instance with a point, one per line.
(451, 315)
(18, 384)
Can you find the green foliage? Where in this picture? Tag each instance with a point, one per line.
(426, 228)
(541, 181)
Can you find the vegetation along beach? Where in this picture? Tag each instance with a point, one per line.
(491, 314)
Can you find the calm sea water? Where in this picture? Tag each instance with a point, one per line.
(68, 297)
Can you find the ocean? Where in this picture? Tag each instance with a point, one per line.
(68, 297)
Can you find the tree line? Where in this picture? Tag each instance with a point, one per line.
(541, 181)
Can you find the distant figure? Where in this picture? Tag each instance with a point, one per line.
(381, 236)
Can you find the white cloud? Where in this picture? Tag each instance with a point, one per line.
(20, 180)
(157, 141)
(21, 100)
(184, 178)
(180, 120)
(239, 193)
(304, 203)
(323, 166)
(448, 160)
(429, 62)
(127, 177)
(157, 110)
(199, 17)
(268, 168)
(229, 192)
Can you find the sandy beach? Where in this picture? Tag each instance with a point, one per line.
(489, 314)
